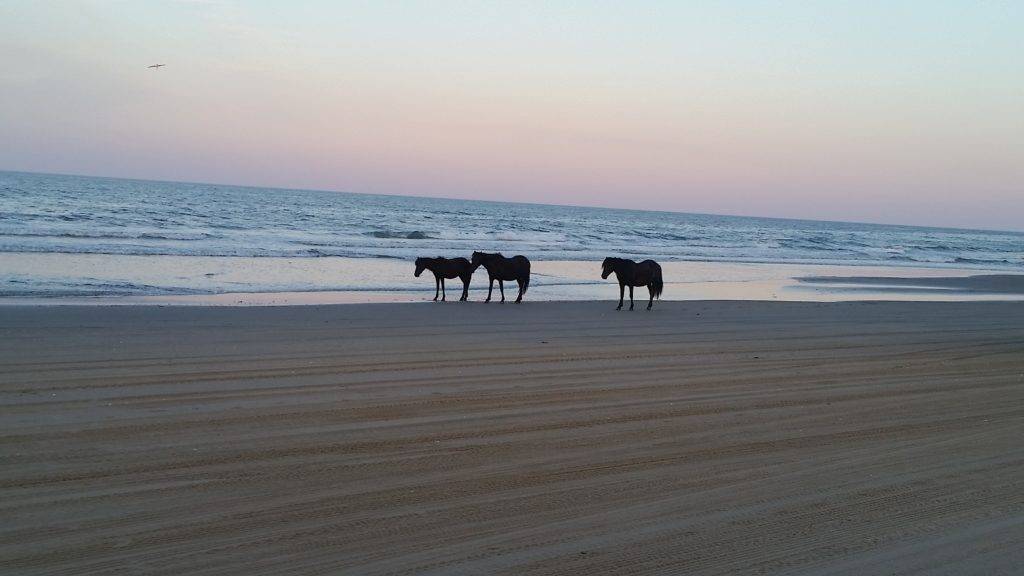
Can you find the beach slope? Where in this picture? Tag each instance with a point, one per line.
(545, 438)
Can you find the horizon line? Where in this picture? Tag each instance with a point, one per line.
(335, 191)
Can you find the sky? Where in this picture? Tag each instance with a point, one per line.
(897, 112)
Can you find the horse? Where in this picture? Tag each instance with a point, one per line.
(501, 268)
(630, 273)
(446, 268)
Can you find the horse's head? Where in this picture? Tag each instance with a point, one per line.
(421, 265)
(607, 267)
(478, 259)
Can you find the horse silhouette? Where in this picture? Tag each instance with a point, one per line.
(501, 268)
(630, 273)
(446, 268)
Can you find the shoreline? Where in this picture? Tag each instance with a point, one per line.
(976, 288)
(55, 279)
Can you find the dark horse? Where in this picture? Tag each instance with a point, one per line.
(446, 268)
(629, 273)
(500, 268)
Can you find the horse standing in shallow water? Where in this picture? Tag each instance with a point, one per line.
(630, 273)
(446, 268)
(500, 268)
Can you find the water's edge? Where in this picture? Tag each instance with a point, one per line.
(103, 279)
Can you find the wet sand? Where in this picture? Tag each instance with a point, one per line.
(547, 438)
(991, 284)
(107, 279)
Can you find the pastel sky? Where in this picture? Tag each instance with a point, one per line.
(906, 112)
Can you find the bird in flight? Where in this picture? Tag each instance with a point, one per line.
(156, 66)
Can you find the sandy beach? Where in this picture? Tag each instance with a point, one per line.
(547, 438)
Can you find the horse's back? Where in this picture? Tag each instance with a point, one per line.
(645, 272)
(522, 266)
(514, 268)
(459, 267)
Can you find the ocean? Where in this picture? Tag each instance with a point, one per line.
(86, 236)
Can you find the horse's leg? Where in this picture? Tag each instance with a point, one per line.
(630, 296)
(490, 289)
(465, 289)
(443, 295)
(622, 293)
(501, 286)
(437, 287)
(519, 298)
(650, 303)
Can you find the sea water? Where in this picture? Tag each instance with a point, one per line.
(86, 236)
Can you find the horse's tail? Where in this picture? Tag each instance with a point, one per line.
(526, 281)
(656, 283)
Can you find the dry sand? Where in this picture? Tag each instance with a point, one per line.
(547, 438)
